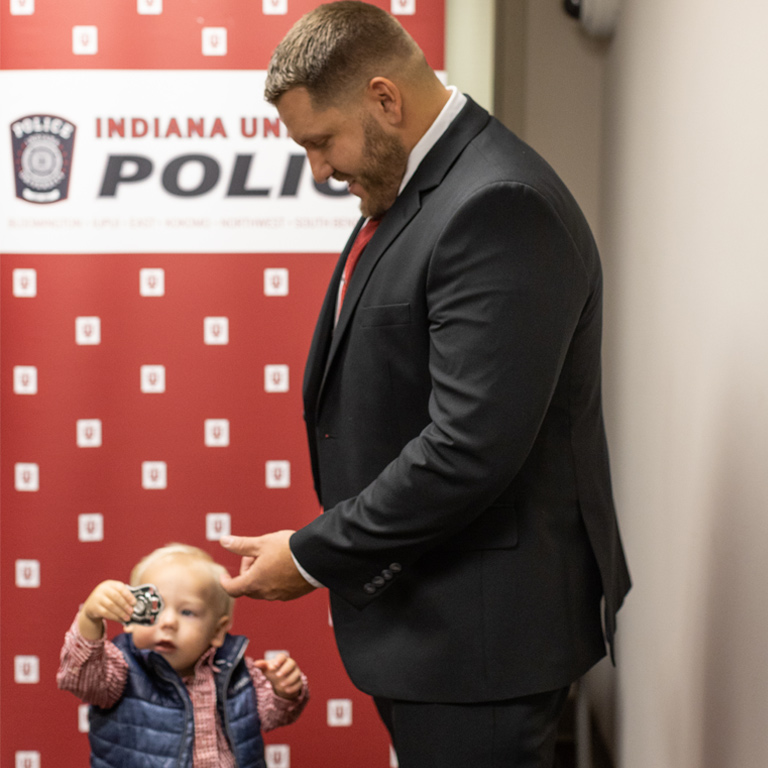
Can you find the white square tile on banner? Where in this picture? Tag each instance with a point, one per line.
(27, 759)
(25, 379)
(339, 713)
(276, 378)
(277, 755)
(216, 433)
(274, 7)
(149, 7)
(25, 283)
(26, 669)
(214, 41)
(90, 527)
(28, 574)
(403, 7)
(217, 524)
(87, 330)
(216, 330)
(154, 475)
(152, 378)
(275, 281)
(26, 477)
(278, 474)
(85, 41)
(88, 433)
(152, 282)
(22, 7)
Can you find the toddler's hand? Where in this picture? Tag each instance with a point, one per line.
(284, 674)
(110, 600)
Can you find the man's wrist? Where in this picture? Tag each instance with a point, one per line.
(308, 577)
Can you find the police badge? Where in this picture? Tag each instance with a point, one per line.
(149, 605)
(42, 157)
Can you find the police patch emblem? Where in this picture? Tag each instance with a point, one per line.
(42, 157)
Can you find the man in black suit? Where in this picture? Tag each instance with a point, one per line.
(453, 408)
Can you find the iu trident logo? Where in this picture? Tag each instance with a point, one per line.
(42, 157)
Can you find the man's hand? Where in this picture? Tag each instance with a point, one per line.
(267, 570)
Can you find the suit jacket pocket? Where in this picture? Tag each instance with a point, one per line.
(496, 528)
(385, 314)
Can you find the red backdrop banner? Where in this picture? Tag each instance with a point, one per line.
(163, 255)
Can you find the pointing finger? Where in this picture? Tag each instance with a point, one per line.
(241, 545)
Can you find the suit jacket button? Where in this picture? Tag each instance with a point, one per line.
(378, 581)
(395, 567)
(369, 588)
(387, 574)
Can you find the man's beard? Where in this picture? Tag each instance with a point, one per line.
(385, 162)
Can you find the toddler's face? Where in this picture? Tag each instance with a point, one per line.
(191, 620)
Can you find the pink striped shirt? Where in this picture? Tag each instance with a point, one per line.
(96, 672)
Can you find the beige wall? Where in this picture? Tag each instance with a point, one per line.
(662, 133)
(685, 208)
(469, 50)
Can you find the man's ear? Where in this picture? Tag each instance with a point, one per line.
(385, 100)
(222, 627)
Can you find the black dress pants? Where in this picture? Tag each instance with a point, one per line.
(517, 733)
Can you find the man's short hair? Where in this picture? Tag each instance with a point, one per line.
(336, 49)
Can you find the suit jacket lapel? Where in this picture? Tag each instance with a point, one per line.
(430, 173)
(395, 219)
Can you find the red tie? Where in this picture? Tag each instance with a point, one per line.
(363, 238)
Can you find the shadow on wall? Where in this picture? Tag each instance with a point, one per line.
(734, 630)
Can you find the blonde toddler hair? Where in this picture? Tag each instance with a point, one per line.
(176, 551)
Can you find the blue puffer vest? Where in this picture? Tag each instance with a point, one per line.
(152, 726)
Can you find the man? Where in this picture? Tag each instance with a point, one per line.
(452, 402)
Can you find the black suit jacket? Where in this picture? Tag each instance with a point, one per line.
(456, 435)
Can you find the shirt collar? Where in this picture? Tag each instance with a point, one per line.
(452, 107)
(206, 660)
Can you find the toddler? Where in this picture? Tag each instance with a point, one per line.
(178, 692)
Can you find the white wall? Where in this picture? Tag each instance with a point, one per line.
(662, 134)
(469, 54)
(685, 183)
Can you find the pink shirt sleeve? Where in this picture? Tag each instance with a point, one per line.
(95, 671)
(274, 710)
